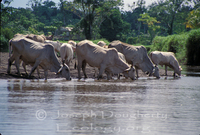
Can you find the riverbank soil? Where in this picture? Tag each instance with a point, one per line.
(74, 74)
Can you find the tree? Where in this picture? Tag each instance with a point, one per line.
(91, 10)
(150, 21)
(167, 12)
(193, 20)
(114, 27)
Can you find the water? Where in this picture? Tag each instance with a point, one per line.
(166, 106)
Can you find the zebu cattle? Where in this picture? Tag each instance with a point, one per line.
(36, 54)
(104, 59)
(136, 56)
(167, 59)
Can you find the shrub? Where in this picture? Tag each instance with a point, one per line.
(131, 40)
(6, 35)
(4, 44)
(193, 48)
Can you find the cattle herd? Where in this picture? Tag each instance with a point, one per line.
(116, 58)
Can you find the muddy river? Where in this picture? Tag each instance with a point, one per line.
(168, 106)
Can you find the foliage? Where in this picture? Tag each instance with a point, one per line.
(6, 34)
(91, 10)
(103, 19)
(193, 20)
(193, 48)
(114, 27)
(167, 12)
(150, 21)
(131, 40)
(4, 44)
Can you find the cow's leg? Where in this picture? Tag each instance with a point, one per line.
(24, 66)
(79, 68)
(83, 68)
(174, 74)
(137, 72)
(136, 69)
(17, 62)
(108, 76)
(38, 72)
(10, 61)
(34, 67)
(166, 70)
(101, 70)
(45, 74)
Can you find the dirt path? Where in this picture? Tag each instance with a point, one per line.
(74, 74)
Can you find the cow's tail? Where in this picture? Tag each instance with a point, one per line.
(75, 61)
(10, 48)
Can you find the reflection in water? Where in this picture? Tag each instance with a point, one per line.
(151, 106)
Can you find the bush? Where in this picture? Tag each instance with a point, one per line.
(4, 44)
(131, 40)
(6, 35)
(193, 48)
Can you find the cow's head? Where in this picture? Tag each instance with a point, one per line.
(156, 72)
(179, 71)
(64, 71)
(130, 72)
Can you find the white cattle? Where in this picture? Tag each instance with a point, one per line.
(101, 43)
(104, 59)
(56, 44)
(66, 53)
(36, 54)
(167, 59)
(136, 56)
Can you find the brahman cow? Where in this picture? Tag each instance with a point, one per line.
(101, 43)
(105, 59)
(66, 53)
(167, 59)
(136, 56)
(36, 54)
(38, 38)
(56, 44)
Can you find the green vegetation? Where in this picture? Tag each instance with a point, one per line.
(193, 47)
(162, 25)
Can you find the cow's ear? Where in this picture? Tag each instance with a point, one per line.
(128, 69)
(59, 71)
(180, 69)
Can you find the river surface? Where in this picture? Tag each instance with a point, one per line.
(168, 106)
